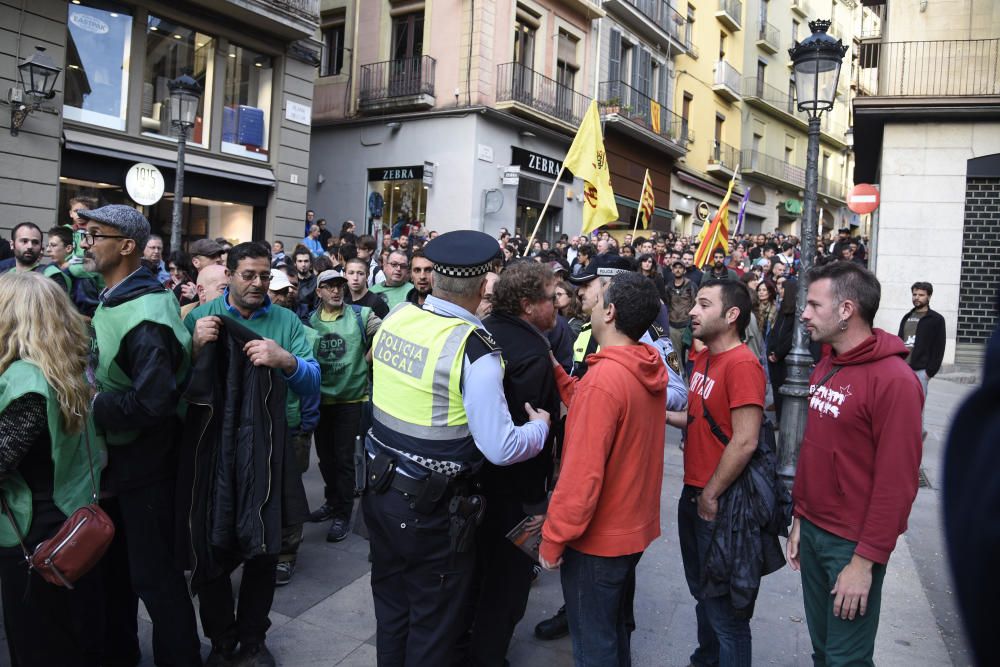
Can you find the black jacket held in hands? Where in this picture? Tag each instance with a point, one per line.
(928, 350)
(753, 512)
(237, 469)
(528, 378)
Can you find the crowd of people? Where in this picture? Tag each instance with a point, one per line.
(469, 389)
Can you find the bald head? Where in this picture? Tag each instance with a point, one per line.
(212, 282)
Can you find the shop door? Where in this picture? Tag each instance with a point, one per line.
(527, 217)
(407, 49)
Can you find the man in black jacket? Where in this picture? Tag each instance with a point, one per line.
(923, 333)
(142, 353)
(523, 310)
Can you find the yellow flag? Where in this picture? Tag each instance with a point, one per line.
(587, 160)
(654, 115)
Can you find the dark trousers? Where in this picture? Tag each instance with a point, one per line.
(836, 642)
(291, 535)
(501, 584)
(147, 521)
(48, 625)
(338, 427)
(120, 604)
(420, 587)
(723, 634)
(599, 593)
(248, 622)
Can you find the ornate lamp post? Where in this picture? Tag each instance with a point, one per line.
(38, 75)
(185, 94)
(816, 62)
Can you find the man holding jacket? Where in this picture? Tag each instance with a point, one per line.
(605, 509)
(283, 346)
(858, 466)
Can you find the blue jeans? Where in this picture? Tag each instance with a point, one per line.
(599, 592)
(723, 634)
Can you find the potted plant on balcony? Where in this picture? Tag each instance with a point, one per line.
(611, 105)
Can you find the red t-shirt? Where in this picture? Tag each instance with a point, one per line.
(735, 379)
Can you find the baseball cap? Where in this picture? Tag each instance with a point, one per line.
(602, 265)
(330, 274)
(279, 281)
(206, 248)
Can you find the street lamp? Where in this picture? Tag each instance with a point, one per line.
(185, 93)
(38, 76)
(816, 62)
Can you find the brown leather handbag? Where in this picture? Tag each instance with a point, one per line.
(79, 543)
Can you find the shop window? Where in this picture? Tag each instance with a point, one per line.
(173, 49)
(397, 199)
(246, 111)
(203, 218)
(99, 36)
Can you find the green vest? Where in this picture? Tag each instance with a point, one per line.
(52, 270)
(293, 406)
(393, 295)
(77, 272)
(340, 349)
(417, 362)
(111, 325)
(582, 346)
(71, 487)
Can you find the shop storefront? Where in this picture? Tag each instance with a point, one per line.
(397, 199)
(537, 176)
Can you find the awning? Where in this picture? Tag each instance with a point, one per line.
(122, 149)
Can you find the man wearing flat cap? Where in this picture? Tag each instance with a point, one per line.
(438, 409)
(205, 252)
(142, 354)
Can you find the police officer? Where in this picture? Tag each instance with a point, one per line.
(438, 407)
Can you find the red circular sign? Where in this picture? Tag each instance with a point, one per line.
(863, 198)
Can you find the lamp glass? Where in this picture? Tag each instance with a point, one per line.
(38, 77)
(816, 81)
(183, 107)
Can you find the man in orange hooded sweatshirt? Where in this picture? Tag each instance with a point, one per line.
(605, 509)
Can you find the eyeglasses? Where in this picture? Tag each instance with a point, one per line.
(397, 265)
(91, 237)
(248, 276)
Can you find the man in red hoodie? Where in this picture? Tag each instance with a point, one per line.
(605, 509)
(858, 464)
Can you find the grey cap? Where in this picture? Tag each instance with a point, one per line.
(206, 248)
(330, 274)
(127, 220)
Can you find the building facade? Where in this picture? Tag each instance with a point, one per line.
(247, 154)
(927, 132)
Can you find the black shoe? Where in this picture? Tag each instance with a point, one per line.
(223, 654)
(536, 570)
(339, 530)
(254, 655)
(555, 627)
(324, 513)
(283, 573)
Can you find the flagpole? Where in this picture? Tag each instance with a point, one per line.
(638, 209)
(541, 215)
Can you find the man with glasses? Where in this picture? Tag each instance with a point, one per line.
(152, 254)
(283, 346)
(396, 286)
(142, 353)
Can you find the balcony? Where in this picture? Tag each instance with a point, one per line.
(946, 68)
(801, 7)
(832, 188)
(288, 19)
(727, 81)
(773, 170)
(526, 92)
(655, 20)
(730, 14)
(723, 161)
(637, 115)
(397, 85)
(768, 37)
(770, 99)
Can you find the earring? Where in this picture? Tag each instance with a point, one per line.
(843, 325)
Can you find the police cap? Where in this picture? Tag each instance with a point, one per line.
(462, 254)
(605, 266)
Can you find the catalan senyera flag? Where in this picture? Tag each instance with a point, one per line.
(716, 233)
(586, 159)
(646, 202)
(654, 115)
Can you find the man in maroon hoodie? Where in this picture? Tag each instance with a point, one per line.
(858, 464)
(605, 509)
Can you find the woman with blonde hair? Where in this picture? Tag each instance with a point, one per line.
(45, 469)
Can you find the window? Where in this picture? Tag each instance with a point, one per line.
(763, 14)
(333, 48)
(755, 146)
(791, 95)
(761, 69)
(686, 113)
(627, 70)
(408, 36)
(722, 46)
(689, 27)
(614, 65)
(824, 169)
(566, 69)
(795, 31)
(99, 36)
(789, 149)
(171, 50)
(524, 42)
(720, 120)
(246, 110)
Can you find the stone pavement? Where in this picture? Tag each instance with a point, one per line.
(325, 616)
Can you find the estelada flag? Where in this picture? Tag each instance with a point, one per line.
(715, 234)
(586, 158)
(646, 202)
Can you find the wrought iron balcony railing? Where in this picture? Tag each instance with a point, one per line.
(389, 79)
(768, 36)
(755, 161)
(723, 155)
(730, 13)
(660, 12)
(619, 98)
(946, 68)
(517, 83)
(727, 80)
